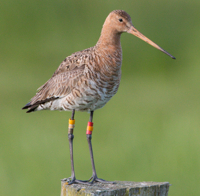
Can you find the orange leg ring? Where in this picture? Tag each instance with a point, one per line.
(89, 128)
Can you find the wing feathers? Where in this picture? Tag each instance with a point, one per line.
(59, 85)
(65, 78)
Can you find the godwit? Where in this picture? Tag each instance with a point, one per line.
(86, 80)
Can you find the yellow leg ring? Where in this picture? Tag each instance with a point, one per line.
(71, 121)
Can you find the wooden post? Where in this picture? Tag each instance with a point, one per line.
(121, 188)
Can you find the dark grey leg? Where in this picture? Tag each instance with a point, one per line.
(94, 177)
(70, 138)
(72, 179)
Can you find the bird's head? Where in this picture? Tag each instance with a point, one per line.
(119, 21)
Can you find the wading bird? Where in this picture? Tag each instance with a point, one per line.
(87, 80)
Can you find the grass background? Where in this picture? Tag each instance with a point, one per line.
(149, 131)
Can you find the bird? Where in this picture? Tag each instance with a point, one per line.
(87, 80)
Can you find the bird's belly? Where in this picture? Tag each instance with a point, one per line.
(88, 98)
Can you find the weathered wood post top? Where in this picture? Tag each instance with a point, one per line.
(121, 188)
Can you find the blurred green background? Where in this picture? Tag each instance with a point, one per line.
(149, 131)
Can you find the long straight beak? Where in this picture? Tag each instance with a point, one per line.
(135, 32)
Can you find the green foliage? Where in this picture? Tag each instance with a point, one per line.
(149, 131)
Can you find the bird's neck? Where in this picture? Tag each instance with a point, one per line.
(109, 40)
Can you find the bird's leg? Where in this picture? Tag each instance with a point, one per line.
(72, 179)
(70, 138)
(94, 177)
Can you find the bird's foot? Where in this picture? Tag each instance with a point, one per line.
(94, 178)
(73, 180)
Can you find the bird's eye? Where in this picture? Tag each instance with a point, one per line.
(120, 20)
